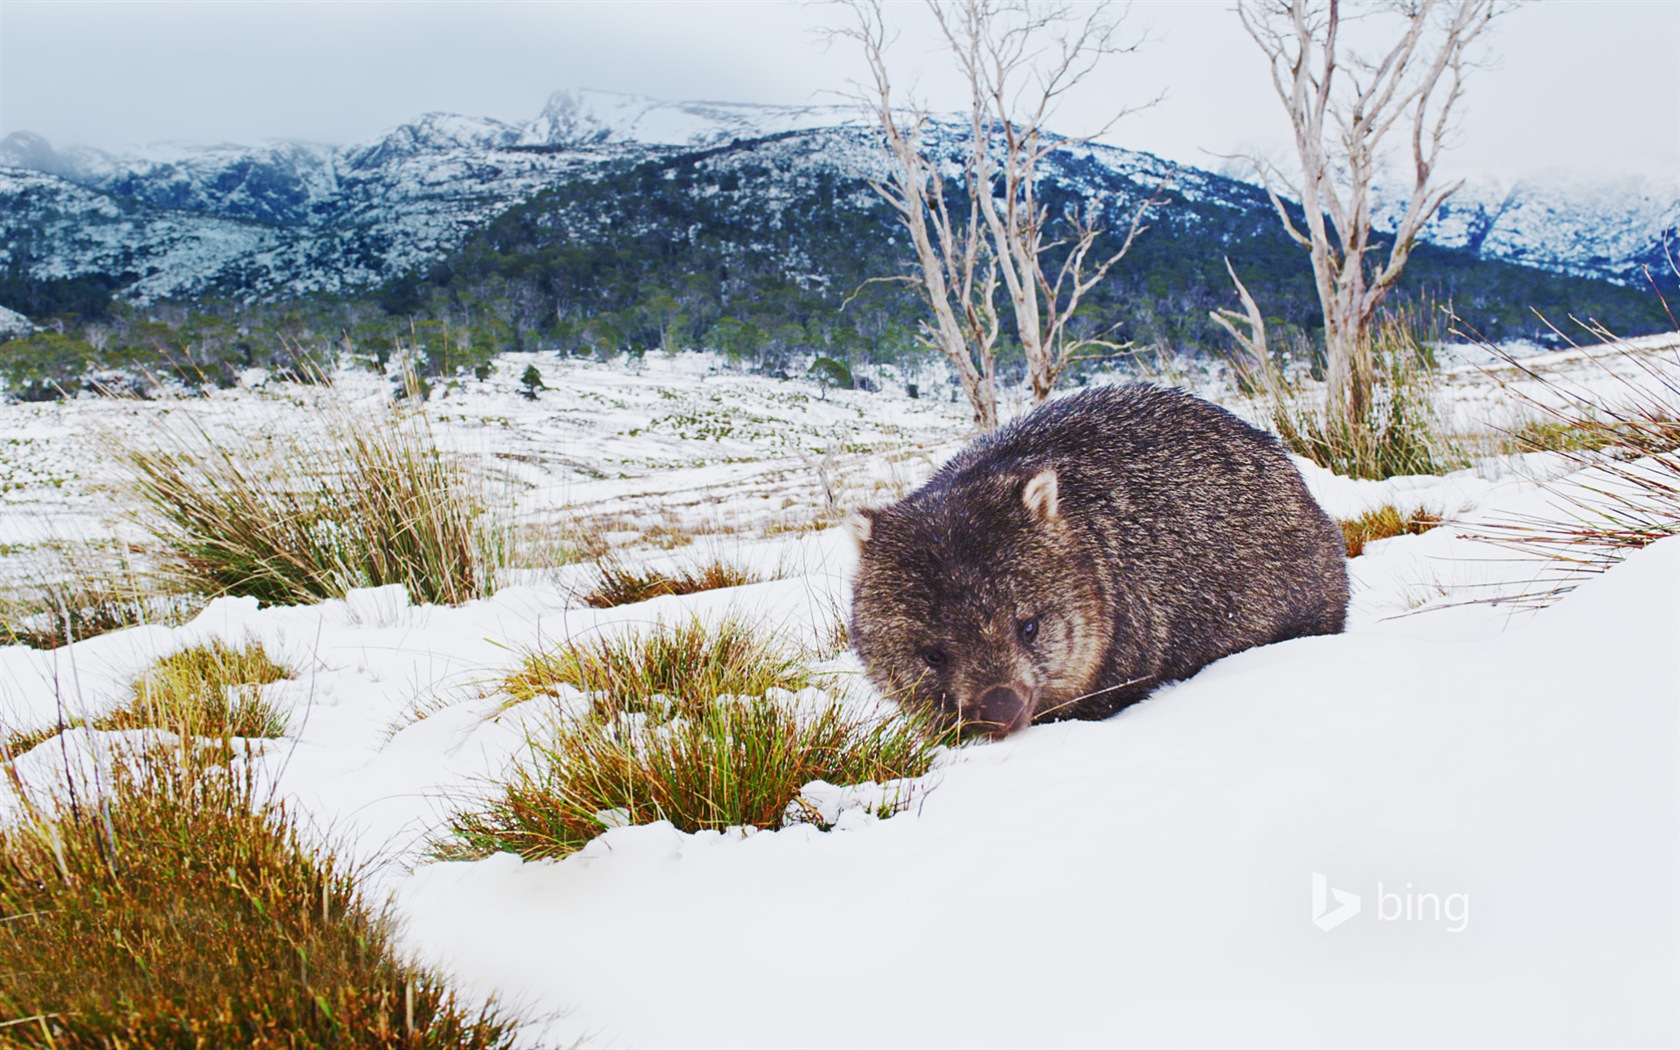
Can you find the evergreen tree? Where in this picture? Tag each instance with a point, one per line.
(532, 381)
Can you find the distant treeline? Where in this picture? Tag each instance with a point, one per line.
(765, 260)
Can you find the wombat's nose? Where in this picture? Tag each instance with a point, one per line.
(1000, 711)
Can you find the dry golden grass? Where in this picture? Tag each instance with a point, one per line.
(184, 911)
(1401, 431)
(679, 728)
(726, 763)
(211, 690)
(1624, 435)
(688, 663)
(360, 498)
(1382, 523)
(617, 584)
(81, 590)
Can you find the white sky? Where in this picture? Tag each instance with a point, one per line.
(1590, 86)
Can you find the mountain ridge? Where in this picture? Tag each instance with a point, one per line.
(284, 219)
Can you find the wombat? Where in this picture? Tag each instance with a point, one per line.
(1104, 543)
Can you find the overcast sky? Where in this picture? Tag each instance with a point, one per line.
(1592, 86)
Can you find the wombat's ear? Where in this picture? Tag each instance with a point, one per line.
(1039, 495)
(861, 524)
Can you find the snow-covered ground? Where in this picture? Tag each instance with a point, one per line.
(1453, 824)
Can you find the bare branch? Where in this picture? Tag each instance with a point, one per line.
(1253, 341)
(993, 232)
(1343, 108)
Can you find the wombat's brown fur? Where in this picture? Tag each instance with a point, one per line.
(1067, 564)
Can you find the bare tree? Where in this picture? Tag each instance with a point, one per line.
(1344, 104)
(956, 275)
(987, 227)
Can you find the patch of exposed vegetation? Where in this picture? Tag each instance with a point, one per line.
(1382, 523)
(620, 585)
(184, 911)
(72, 591)
(368, 500)
(1401, 432)
(683, 725)
(1626, 441)
(212, 690)
(673, 667)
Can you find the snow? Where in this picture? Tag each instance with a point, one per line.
(11, 321)
(1557, 220)
(1499, 788)
(585, 117)
(1145, 881)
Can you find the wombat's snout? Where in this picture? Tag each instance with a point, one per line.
(999, 712)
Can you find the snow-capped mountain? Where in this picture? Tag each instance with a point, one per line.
(1556, 221)
(283, 219)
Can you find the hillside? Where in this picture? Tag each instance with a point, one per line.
(780, 230)
(642, 196)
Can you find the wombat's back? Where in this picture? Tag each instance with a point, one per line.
(1213, 541)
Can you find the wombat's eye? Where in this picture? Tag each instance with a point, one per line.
(1027, 629)
(933, 656)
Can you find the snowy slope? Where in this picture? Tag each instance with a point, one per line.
(1144, 881)
(586, 118)
(1560, 222)
(1147, 881)
(11, 321)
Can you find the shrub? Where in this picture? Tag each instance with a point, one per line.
(531, 380)
(830, 373)
(43, 366)
(678, 730)
(1382, 523)
(368, 500)
(185, 913)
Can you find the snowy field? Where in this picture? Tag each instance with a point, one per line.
(1456, 824)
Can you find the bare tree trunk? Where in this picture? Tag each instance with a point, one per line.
(1020, 58)
(954, 273)
(1342, 108)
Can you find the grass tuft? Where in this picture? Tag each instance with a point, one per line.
(1382, 523)
(72, 591)
(1401, 433)
(209, 690)
(670, 669)
(365, 499)
(1553, 435)
(679, 729)
(186, 913)
(1624, 439)
(621, 585)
